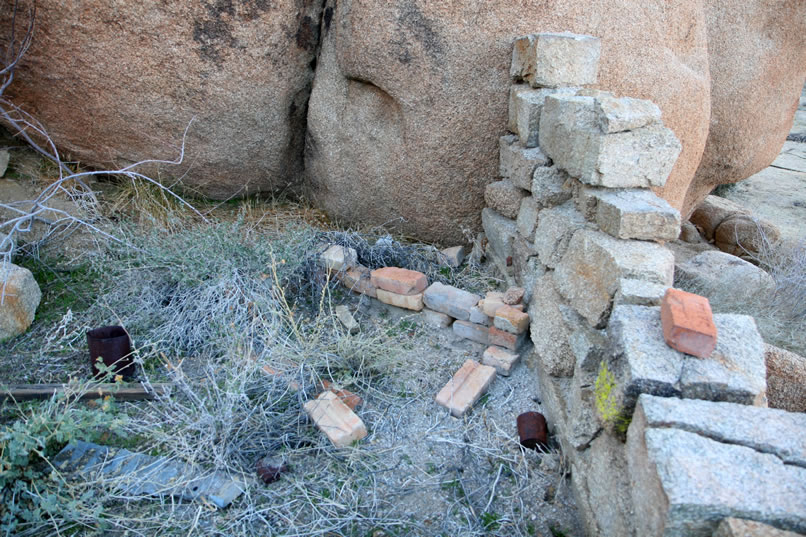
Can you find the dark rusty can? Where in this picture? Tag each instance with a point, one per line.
(532, 430)
(113, 346)
(270, 468)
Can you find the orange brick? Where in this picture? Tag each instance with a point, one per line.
(465, 388)
(511, 320)
(349, 398)
(504, 339)
(409, 302)
(688, 324)
(334, 418)
(399, 281)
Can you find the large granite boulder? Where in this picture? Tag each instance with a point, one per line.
(411, 97)
(116, 82)
(757, 58)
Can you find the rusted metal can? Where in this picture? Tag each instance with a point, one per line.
(270, 468)
(113, 346)
(532, 430)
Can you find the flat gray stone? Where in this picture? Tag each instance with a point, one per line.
(642, 362)
(550, 186)
(504, 197)
(683, 483)
(635, 214)
(436, 319)
(139, 474)
(556, 59)
(720, 276)
(766, 430)
(518, 163)
(625, 113)
(555, 228)
(529, 275)
(346, 319)
(549, 328)
(590, 273)
(527, 219)
(571, 136)
(473, 332)
(526, 105)
(500, 232)
(639, 293)
(450, 300)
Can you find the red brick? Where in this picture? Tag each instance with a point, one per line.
(688, 324)
(505, 339)
(465, 388)
(334, 418)
(399, 281)
(349, 398)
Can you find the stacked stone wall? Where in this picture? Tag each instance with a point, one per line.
(657, 440)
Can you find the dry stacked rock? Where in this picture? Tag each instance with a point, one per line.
(587, 245)
(19, 298)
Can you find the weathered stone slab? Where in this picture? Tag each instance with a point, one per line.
(472, 331)
(529, 275)
(436, 318)
(467, 385)
(409, 302)
(589, 274)
(137, 474)
(624, 113)
(500, 232)
(766, 430)
(518, 163)
(504, 197)
(688, 323)
(738, 527)
(450, 300)
(525, 108)
(454, 255)
(714, 271)
(555, 228)
(643, 363)
(635, 214)
(346, 319)
(639, 293)
(570, 135)
(527, 219)
(334, 418)
(556, 59)
(399, 280)
(684, 483)
(19, 298)
(339, 257)
(550, 186)
(786, 379)
(549, 331)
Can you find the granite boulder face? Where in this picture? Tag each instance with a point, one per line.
(409, 103)
(118, 82)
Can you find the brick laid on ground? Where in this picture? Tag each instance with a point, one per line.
(511, 320)
(349, 398)
(472, 331)
(501, 359)
(399, 280)
(409, 302)
(464, 389)
(436, 318)
(334, 418)
(688, 323)
(358, 280)
(504, 339)
(450, 300)
(339, 257)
